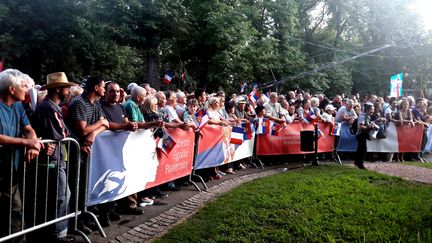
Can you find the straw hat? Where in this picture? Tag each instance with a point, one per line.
(57, 80)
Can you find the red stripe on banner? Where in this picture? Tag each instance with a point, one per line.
(179, 161)
(213, 135)
(288, 140)
(410, 138)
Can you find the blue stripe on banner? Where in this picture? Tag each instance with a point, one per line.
(211, 157)
(347, 141)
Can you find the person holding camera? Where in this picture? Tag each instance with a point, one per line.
(364, 125)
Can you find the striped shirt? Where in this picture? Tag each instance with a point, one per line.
(81, 109)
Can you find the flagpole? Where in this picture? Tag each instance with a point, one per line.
(315, 159)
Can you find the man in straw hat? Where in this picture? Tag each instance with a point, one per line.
(51, 125)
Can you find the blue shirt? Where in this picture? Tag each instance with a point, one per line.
(13, 119)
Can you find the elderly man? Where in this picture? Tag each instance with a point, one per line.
(16, 133)
(346, 113)
(166, 109)
(181, 103)
(273, 109)
(240, 108)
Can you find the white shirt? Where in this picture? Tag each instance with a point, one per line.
(274, 110)
(343, 112)
(172, 114)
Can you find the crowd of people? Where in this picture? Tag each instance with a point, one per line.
(60, 109)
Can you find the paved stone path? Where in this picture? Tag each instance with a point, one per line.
(408, 172)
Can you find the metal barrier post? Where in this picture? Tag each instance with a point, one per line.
(36, 196)
(197, 138)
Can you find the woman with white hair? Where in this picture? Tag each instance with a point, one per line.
(213, 112)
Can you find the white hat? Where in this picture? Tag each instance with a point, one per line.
(330, 107)
(241, 99)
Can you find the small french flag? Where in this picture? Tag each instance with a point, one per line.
(310, 117)
(237, 135)
(168, 77)
(201, 118)
(336, 129)
(320, 134)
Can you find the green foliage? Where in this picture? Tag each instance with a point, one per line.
(221, 43)
(319, 204)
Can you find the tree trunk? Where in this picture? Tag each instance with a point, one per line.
(153, 69)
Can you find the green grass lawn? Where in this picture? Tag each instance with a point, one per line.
(426, 165)
(315, 204)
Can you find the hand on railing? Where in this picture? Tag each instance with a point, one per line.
(31, 154)
(49, 149)
(33, 143)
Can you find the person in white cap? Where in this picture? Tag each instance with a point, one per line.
(327, 116)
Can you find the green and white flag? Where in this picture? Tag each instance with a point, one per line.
(396, 85)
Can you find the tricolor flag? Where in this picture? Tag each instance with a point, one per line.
(237, 135)
(166, 143)
(168, 77)
(263, 126)
(248, 129)
(254, 96)
(201, 119)
(320, 134)
(310, 117)
(335, 130)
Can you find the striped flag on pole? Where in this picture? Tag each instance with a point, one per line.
(237, 135)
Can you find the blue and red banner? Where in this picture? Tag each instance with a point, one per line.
(214, 147)
(123, 163)
(395, 142)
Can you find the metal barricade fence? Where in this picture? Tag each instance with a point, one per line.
(34, 196)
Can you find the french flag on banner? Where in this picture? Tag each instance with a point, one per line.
(263, 126)
(237, 135)
(336, 129)
(168, 77)
(201, 119)
(310, 117)
(248, 129)
(166, 143)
